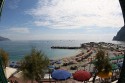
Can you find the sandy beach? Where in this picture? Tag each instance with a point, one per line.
(83, 59)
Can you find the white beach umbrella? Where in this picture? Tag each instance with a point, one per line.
(10, 71)
(18, 75)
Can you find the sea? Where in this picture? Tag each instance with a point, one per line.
(18, 49)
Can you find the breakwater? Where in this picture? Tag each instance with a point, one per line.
(59, 47)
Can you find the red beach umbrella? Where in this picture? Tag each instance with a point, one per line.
(81, 75)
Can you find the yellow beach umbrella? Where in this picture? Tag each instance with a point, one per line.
(104, 74)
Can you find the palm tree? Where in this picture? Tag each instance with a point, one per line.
(1, 6)
(101, 63)
(33, 65)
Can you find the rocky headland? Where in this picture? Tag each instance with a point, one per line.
(4, 39)
(121, 33)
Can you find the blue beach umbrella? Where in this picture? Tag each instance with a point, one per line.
(52, 61)
(58, 62)
(61, 75)
(51, 67)
(120, 64)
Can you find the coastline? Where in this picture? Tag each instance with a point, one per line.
(83, 58)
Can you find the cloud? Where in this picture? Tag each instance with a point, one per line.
(70, 14)
(19, 30)
(13, 4)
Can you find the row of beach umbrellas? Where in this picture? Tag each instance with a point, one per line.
(117, 57)
(80, 75)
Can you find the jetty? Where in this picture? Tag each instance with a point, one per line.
(60, 47)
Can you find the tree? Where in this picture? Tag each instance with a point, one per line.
(101, 63)
(2, 64)
(4, 56)
(103, 59)
(1, 6)
(33, 65)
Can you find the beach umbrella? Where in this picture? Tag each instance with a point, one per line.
(81, 75)
(60, 74)
(117, 57)
(51, 67)
(114, 66)
(52, 61)
(120, 57)
(74, 61)
(113, 58)
(120, 64)
(10, 71)
(104, 74)
(58, 62)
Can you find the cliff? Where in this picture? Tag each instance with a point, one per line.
(4, 39)
(121, 33)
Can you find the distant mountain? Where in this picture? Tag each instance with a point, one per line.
(121, 33)
(4, 39)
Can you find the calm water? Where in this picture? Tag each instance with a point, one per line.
(18, 49)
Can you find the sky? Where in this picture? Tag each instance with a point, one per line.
(61, 19)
